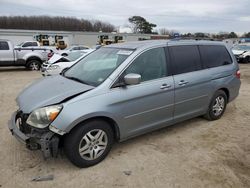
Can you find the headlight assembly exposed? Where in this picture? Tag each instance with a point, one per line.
(53, 67)
(42, 117)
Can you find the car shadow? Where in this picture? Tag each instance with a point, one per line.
(162, 132)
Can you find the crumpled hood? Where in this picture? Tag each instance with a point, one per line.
(55, 58)
(48, 91)
(238, 52)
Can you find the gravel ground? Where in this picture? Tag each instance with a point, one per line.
(195, 153)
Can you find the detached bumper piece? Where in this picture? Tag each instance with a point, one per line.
(33, 138)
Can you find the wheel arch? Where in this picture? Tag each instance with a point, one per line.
(109, 120)
(226, 92)
(33, 58)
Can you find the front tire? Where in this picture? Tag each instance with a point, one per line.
(247, 59)
(89, 143)
(217, 106)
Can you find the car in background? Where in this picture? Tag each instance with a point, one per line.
(57, 62)
(242, 53)
(31, 57)
(28, 44)
(72, 48)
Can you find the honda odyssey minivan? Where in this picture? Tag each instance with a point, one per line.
(123, 90)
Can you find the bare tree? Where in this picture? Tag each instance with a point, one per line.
(58, 23)
(164, 31)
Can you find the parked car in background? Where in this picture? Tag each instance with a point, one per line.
(28, 44)
(242, 53)
(73, 48)
(30, 57)
(58, 63)
(124, 90)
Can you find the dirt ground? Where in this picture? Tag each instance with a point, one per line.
(195, 153)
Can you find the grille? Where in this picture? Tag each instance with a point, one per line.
(21, 117)
(45, 65)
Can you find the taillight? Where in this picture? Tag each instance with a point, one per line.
(50, 55)
(237, 74)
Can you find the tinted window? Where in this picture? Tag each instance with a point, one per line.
(34, 43)
(150, 65)
(215, 56)
(4, 45)
(185, 59)
(27, 44)
(83, 48)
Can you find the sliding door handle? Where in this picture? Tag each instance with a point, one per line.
(165, 86)
(183, 82)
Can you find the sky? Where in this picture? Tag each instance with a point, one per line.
(209, 16)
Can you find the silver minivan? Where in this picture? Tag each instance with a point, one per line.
(121, 91)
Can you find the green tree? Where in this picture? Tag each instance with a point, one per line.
(141, 25)
(232, 35)
(247, 35)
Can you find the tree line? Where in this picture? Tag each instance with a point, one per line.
(58, 23)
(138, 24)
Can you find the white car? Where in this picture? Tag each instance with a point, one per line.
(57, 62)
(72, 48)
(242, 53)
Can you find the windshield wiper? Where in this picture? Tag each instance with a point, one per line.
(76, 79)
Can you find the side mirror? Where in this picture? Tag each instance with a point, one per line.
(132, 79)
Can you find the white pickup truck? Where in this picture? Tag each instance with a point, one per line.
(30, 57)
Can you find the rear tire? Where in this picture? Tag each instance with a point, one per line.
(89, 143)
(247, 59)
(33, 65)
(217, 106)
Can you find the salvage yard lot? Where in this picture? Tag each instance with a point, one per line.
(195, 153)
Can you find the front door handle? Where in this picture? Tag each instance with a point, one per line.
(183, 82)
(165, 86)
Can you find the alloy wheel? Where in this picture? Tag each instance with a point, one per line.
(219, 105)
(93, 144)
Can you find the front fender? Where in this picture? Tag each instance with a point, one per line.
(90, 116)
(68, 119)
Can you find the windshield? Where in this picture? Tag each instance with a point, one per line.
(72, 56)
(97, 66)
(241, 47)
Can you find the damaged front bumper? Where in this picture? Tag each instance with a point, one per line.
(34, 138)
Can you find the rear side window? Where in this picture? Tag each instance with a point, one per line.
(27, 44)
(185, 59)
(214, 56)
(83, 48)
(34, 44)
(4, 45)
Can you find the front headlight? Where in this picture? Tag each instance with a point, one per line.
(42, 117)
(53, 67)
